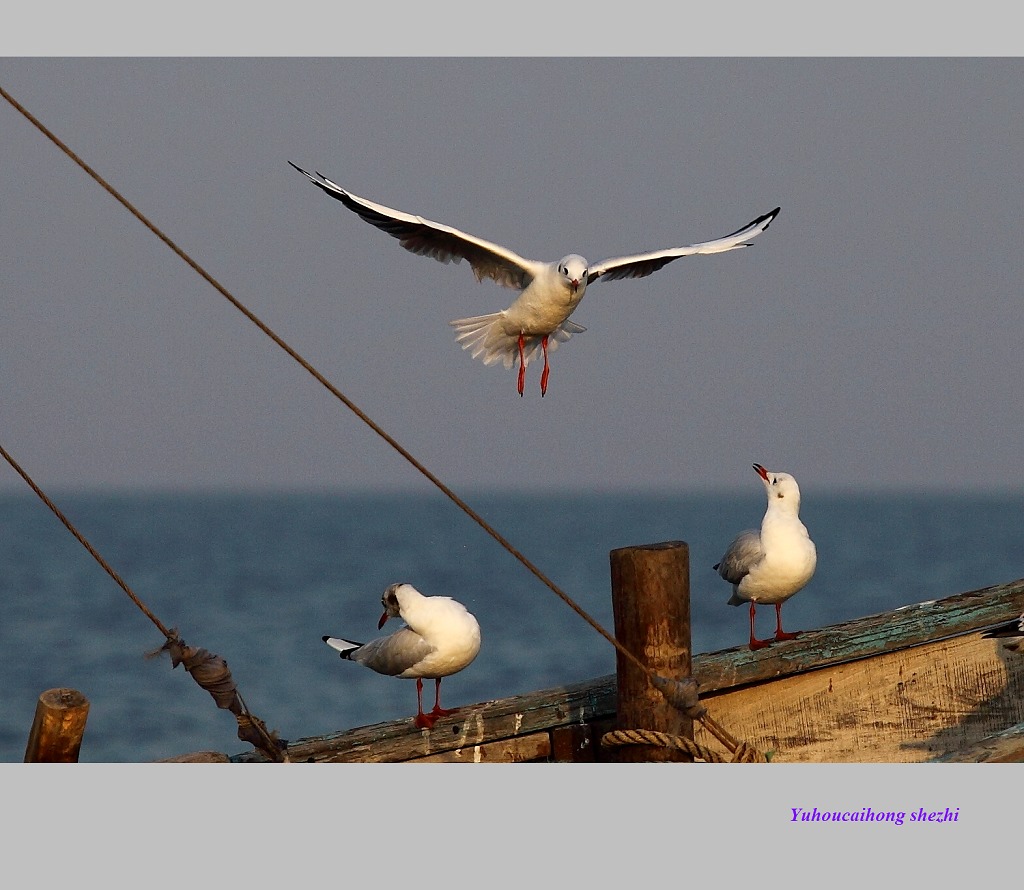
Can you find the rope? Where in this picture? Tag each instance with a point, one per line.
(334, 391)
(209, 671)
(743, 753)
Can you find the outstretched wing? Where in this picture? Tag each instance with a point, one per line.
(427, 238)
(642, 264)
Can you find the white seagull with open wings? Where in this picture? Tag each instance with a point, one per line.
(548, 292)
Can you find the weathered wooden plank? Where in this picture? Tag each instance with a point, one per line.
(581, 743)
(523, 749)
(1003, 747)
(908, 626)
(471, 725)
(198, 757)
(905, 706)
(595, 700)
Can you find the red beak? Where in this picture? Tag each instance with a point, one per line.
(575, 285)
(761, 471)
(383, 618)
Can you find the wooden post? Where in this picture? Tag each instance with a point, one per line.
(58, 727)
(651, 606)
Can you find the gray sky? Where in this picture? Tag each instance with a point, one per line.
(869, 339)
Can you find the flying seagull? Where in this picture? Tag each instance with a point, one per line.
(770, 565)
(538, 318)
(439, 638)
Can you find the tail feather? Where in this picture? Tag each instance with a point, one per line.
(344, 647)
(488, 339)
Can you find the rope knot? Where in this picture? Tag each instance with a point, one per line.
(208, 670)
(682, 695)
(212, 674)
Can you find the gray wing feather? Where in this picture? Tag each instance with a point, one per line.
(393, 654)
(743, 554)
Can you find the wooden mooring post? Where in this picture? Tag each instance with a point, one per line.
(58, 727)
(651, 607)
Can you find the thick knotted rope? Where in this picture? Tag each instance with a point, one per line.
(682, 695)
(211, 672)
(743, 752)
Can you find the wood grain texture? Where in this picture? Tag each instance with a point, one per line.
(198, 757)
(58, 727)
(516, 750)
(1006, 746)
(904, 706)
(651, 608)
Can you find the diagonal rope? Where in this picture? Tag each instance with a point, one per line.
(81, 540)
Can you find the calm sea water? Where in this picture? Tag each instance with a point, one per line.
(259, 579)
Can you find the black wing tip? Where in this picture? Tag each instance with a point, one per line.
(322, 181)
(329, 188)
(761, 223)
(325, 637)
(313, 179)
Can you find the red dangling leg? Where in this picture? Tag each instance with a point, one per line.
(755, 643)
(438, 710)
(423, 721)
(547, 370)
(522, 363)
(779, 633)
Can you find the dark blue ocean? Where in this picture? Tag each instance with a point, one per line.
(259, 578)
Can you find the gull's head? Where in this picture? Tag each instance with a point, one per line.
(392, 601)
(781, 488)
(573, 268)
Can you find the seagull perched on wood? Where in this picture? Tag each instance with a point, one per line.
(548, 292)
(771, 565)
(1010, 634)
(439, 638)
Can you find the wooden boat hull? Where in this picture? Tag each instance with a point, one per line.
(916, 684)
